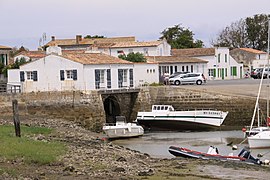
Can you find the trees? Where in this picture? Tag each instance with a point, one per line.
(133, 57)
(233, 36)
(250, 32)
(179, 38)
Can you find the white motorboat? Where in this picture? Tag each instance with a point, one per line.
(164, 117)
(122, 129)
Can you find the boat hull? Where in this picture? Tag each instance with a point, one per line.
(178, 125)
(182, 120)
(260, 140)
(187, 153)
(123, 132)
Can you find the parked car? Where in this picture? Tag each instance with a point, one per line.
(178, 73)
(256, 73)
(265, 74)
(189, 78)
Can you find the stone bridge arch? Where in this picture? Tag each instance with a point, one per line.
(119, 104)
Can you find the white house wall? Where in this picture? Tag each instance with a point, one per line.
(184, 67)
(163, 49)
(222, 65)
(48, 72)
(145, 74)
(89, 75)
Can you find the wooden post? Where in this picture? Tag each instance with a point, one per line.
(16, 119)
(73, 99)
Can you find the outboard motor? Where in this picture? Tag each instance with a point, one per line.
(246, 154)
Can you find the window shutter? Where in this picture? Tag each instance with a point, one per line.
(97, 78)
(62, 75)
(35, 78)
(131, 77)
(22, 76)
(75, 74)
(109, 81)
(120, 78)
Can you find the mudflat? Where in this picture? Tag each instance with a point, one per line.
(91, 156)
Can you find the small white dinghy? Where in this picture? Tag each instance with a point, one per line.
(260, 140)
(122, 129)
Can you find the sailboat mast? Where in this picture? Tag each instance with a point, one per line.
(268, 69)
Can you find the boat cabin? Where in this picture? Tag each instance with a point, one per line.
(120, 120)
(160, 108)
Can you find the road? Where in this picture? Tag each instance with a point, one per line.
(242, 87)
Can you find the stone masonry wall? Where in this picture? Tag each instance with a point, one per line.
(86, 109)
(240, 108)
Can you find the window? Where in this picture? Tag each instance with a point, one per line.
(183, 68)
(102, 76)
(120, 52)
(69, 74)
(154, 71)
(175, 68)
(191, 68)
(29, 75)
(225, 58)
(211, 72)
(218, 58)
(147, 70)
(186, 68)
(124, 75)
(145, 51)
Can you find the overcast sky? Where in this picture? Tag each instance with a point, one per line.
(24, 21)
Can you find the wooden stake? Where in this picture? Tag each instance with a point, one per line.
(16, 119)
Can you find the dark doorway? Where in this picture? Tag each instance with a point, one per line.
(112, 109)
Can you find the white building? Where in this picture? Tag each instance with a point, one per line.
(220, 64)
(149, 48)
(79, 71)
(251, 58)
(172, 64)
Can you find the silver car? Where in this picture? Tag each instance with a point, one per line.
(189, 78)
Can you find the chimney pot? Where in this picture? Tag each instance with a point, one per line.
(53, 38)
(78, 38)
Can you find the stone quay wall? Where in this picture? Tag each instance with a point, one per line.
(240, 108)
(87, 108)
(83, 108)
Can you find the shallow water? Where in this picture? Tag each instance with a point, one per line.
(156, 144)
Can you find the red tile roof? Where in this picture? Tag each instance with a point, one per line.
(94, 58)
(174, 59)
(89, 41)
(5, 47)
(254, 51)
(33, 54)
(192, 52)
(136, 44)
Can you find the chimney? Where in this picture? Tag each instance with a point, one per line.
(53, 38)
(78, 38)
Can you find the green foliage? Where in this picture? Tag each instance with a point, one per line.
(15, 65)
(179, 38)
(251, 32)
(31, 151)
(95, 36)
(133, 57)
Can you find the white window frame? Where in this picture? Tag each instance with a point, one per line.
(29, 75)
(69, 74)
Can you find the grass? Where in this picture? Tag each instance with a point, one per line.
(30, 150)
